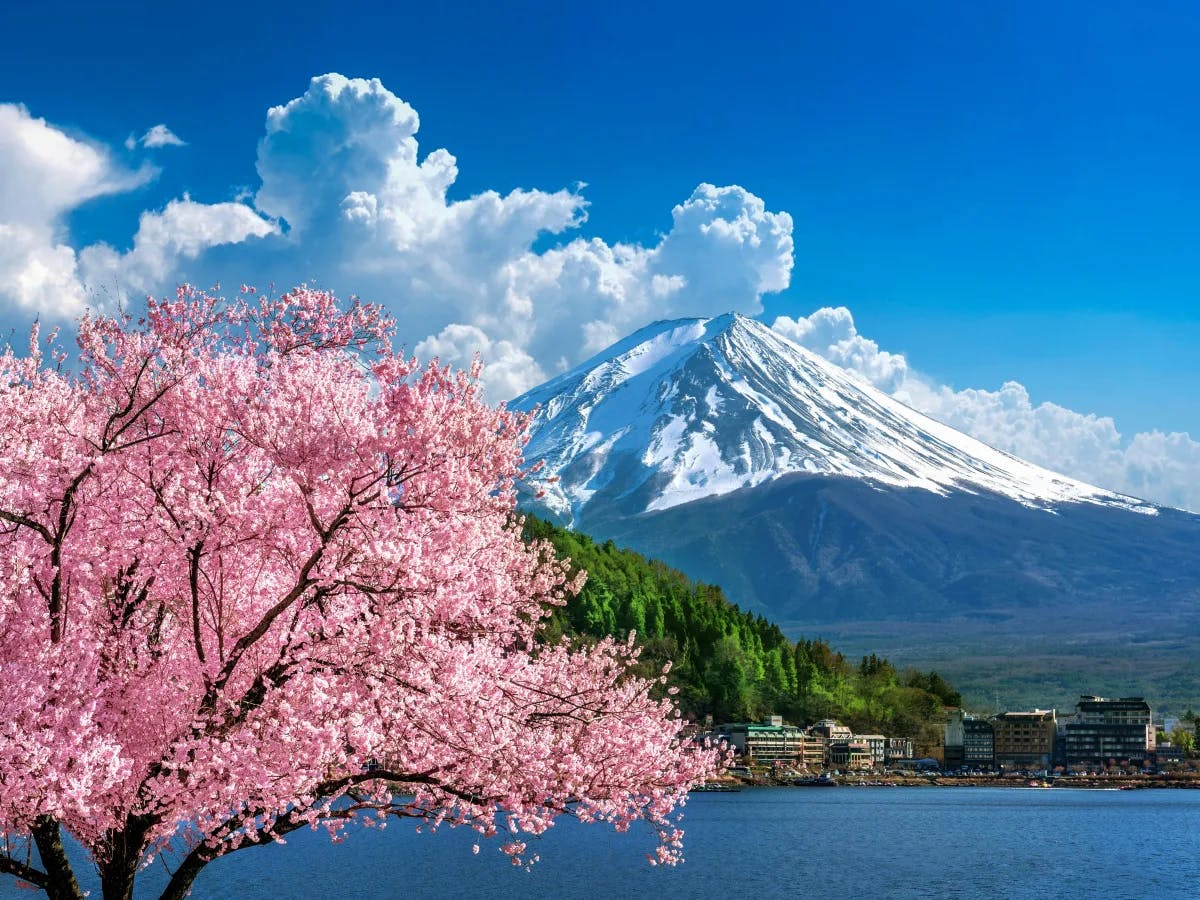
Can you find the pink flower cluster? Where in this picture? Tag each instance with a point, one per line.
(257, 569)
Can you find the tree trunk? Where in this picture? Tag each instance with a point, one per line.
(60, 878)
(123, 854)
(181, 881)
(116, 877)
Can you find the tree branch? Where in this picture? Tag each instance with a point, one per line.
(182, 879)
(66, 518)
(17, 519)
(303, 583)
(10, 866)
(194, 586)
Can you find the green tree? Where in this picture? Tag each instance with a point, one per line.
(1184, 737)
(726, 662)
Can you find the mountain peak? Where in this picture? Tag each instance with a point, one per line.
(689, 408)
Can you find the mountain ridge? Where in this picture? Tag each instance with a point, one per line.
(688, 408)
(746, 461)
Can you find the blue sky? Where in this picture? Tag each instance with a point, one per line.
(999, 192)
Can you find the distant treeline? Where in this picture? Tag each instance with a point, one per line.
(730, 664)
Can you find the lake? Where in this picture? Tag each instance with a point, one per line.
(840, 843)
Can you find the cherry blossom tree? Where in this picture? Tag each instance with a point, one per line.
(258, 572)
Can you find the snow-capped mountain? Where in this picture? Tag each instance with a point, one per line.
(694, 408)
(722, 448)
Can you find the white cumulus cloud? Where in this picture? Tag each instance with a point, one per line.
(347, 199)
(44, 174)
(155, 137)
(341, 167)
(510, 370)
(166, 241)
(831, 332)
(1165, 467)
(723, 252)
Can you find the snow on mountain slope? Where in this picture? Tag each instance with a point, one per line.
(699, 407)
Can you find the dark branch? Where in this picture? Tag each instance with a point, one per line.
(303, 583)
(66, 518)
(181, 881)
(10, 866)
(194, 584)
(17, 519)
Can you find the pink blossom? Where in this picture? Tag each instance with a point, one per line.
(256, 569)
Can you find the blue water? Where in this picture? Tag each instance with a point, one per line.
(771, 842)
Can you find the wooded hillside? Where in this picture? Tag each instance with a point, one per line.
(727, 663)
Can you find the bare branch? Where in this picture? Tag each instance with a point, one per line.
(11, 866)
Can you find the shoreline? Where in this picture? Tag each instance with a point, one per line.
(1097, 782)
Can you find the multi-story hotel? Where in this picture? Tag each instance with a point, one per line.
(897, 749)
(1106, 732)
(969, 741)
(1024, 740)
(979, 743)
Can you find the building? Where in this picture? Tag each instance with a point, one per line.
(850, 756)
(979, 743)
(877, 745)
(1109, 732)
(896, 750)
(813, 752)
(1024, 740)
(832, 731)
(768, 741)
(952, 746)
(969, 742)
(1125, 711)
(1168, 755)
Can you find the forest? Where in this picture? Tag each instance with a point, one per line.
(729, 664)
